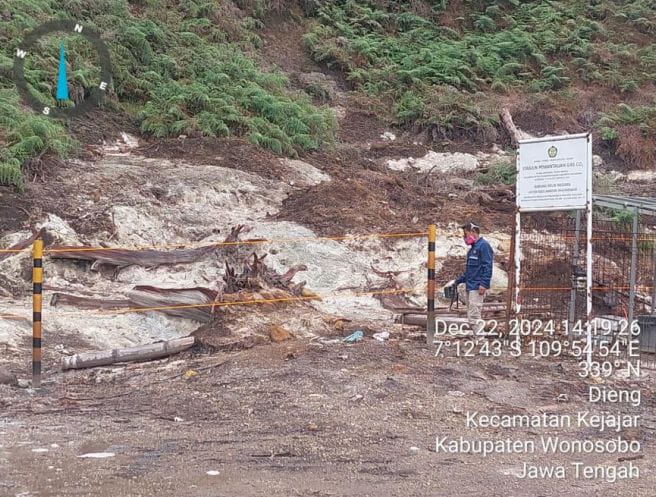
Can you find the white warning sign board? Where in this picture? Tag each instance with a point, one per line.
(554, 173)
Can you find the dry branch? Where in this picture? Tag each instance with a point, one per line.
(120, 258)
(515, 133)
(253, 279)
(255, 274)
(150, 296)
(140, 353)
(87, 302)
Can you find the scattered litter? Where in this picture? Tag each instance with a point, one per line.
(562, 397)
(456, 393)
(54, 446)
(382, 336)
(343, 357)
(212, 472)
(97, 455)
(178, 420)
(62, 350)
(357, 397)
(40, 450)
(190, 373)
(354, 337)
(313, 427)
(414, 449)
(631, 458)
(388, 136)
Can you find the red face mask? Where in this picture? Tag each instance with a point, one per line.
(469, 239)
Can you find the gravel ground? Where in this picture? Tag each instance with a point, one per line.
(299, 418)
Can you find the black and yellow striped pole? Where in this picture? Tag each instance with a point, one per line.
(37, 290)
(430, 317)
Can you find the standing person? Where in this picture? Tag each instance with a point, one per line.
(478, 274)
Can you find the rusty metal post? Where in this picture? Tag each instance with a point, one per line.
(511, 284)
(430, 292)
(588, 262)
(575, 263)
(517, 252)
(37, 290)
(634, 266)
(653, 279)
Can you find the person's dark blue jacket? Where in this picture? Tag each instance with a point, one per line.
(479, 266)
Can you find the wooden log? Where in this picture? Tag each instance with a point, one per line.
(420, 319)
(412, 319)
(515, 133)
(146, 296)
(177, 299)
(141, 353)
(125, 257)
(59, 298)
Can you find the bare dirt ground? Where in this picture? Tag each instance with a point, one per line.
(295, 419)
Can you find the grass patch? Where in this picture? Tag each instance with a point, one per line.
(502, 173)
(622, 217)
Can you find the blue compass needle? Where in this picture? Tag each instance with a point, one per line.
(62, 83)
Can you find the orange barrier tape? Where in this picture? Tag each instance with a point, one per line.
(219, 304)
(244, 242)
(594, 288)
(528, 237)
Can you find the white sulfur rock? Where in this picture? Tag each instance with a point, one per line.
(436, 162)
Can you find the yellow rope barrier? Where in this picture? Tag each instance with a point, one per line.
(216, 304)
(243, 242)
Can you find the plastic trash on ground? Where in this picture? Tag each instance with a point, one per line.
(356, 336)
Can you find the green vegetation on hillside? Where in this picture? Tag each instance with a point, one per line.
(189, 67)
(24, 136)
(631, 131)
(185, 67)
(444, 65)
